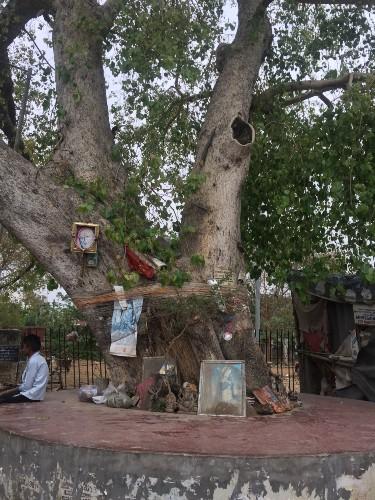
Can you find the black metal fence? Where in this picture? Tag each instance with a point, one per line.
(280, 350)
(76, 360)
(73, 360)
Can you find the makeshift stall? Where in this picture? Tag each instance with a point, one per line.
(336, 337)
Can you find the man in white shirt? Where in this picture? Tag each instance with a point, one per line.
(35, 377)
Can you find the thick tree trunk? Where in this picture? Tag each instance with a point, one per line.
(35, 204)
(86, 138)
(223, 152)
(211, 219)
(37, 208)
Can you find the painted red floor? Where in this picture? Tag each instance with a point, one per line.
(323, 425)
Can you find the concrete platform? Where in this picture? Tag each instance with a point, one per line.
(64, 449)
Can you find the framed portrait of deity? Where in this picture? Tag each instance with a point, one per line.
(222, 388)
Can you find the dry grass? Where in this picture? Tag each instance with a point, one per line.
(82, 372)
(287, 377)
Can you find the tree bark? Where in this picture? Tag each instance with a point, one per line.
(35, 204)
(211, 218)
(37, 208)
(86, 138)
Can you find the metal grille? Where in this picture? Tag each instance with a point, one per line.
(280, 350)
(79, 362)
(73, 363)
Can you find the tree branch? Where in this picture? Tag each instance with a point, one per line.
(249, 15)
(12, 281)
(325, 99)
(13, 18)
(354, 3)
(178, 104)
(16, 14)
(39, 213)
(313, 88)
(41, 52)
(110, 10)
(308, 95)
(7, 106)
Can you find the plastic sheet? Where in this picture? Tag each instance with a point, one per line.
(86, 393)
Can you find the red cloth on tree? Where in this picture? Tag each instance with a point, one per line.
(139, 263)
(143, 393)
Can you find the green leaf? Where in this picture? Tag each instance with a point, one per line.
(52, 285)
(197, 260)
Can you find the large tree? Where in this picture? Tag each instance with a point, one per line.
(82, 169)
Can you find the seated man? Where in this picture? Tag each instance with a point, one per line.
(35, 377)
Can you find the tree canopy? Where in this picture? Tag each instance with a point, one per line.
(309, 200)
(309, 192)
(139, 122)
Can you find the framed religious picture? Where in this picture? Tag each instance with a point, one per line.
(222, 388)
(85, 237)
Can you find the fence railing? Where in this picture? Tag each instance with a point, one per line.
(75, 361)
(280, 350)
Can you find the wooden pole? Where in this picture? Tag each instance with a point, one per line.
(257, 309)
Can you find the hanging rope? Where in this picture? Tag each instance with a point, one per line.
(156, 291)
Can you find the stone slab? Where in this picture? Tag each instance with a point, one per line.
(64, 449)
